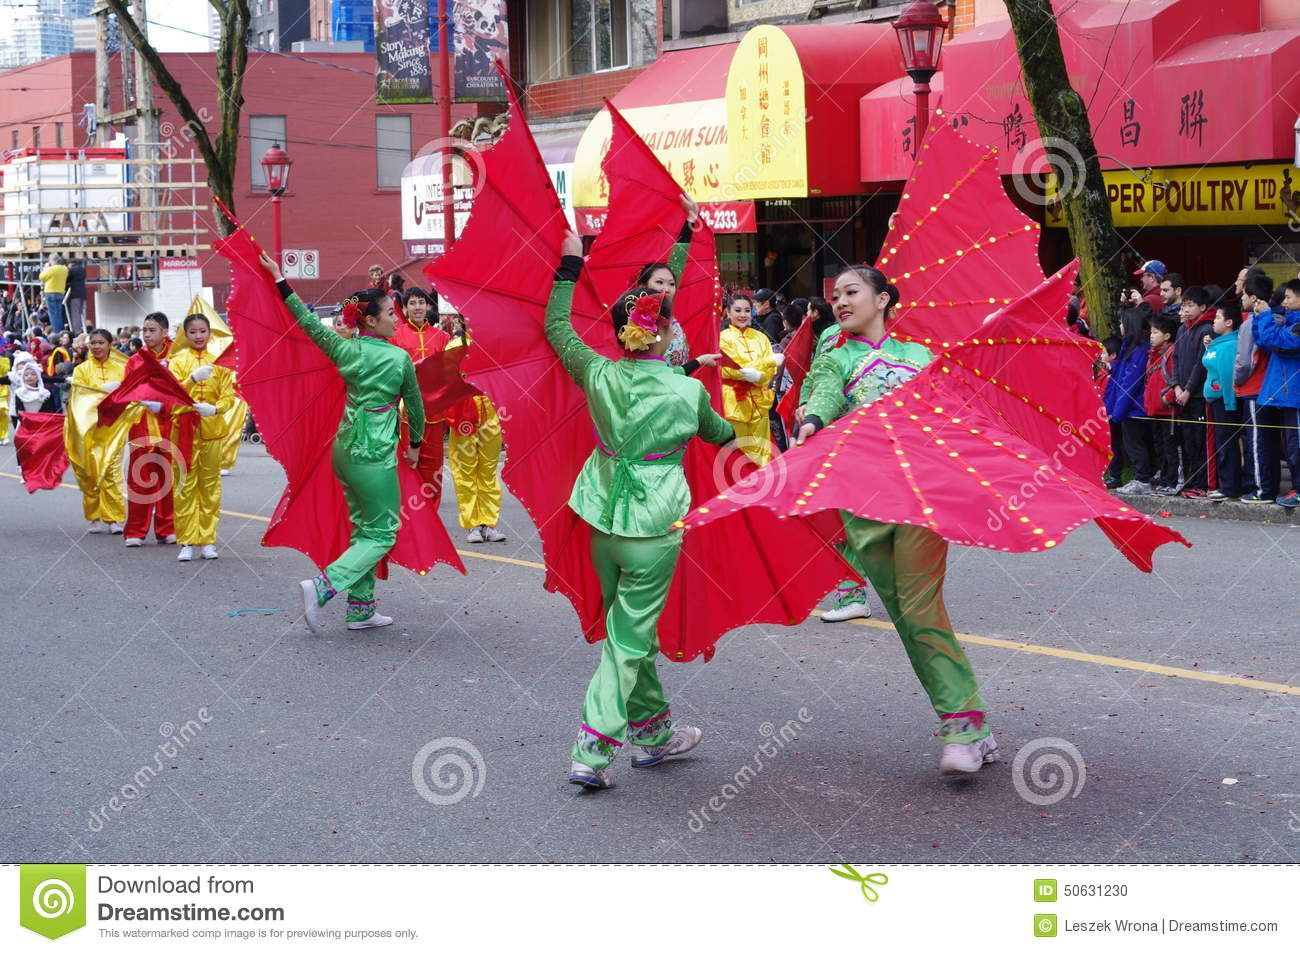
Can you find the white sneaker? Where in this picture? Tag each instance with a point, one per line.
(226, 472)
(968, 758)
(209, 552)
(473, 536)
(310, 610)
(131, 542)
(4, 442)
(683, 740)
(491, 535)
(374, 622)
(170, 540)
(579, 773)
(850, 604)
(185, 555)
(1135, 488)
(97, 526)
(116, 528)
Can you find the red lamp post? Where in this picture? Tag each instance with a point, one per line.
(275, 164)
(920, 28)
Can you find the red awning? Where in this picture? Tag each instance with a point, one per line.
(1168, 83)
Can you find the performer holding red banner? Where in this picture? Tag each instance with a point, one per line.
(422, 339)
(95, 452)
(149, 469)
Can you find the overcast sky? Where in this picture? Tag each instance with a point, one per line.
(173, 24)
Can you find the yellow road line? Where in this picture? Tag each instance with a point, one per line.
(1069, 654)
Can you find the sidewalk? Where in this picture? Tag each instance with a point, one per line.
(1227, 510)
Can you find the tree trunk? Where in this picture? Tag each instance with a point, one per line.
(1067, 138)
(219, 155)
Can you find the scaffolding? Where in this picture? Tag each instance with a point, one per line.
(119, 215)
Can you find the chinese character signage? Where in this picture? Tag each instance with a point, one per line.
(766, 118)
(480, 40)
(402, 52)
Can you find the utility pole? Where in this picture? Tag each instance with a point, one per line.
(103, 105)
(444, 106)
(146, 128)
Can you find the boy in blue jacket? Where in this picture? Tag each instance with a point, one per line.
(1124, 402)
(1220, 359)
(1280, 337)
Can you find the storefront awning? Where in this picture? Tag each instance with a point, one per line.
(773, 116)
(1168, 83)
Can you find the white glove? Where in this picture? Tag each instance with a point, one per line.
(205, 410)
(163, 362)
(201, 373)
(780, 359)
(110, 386)
(153, 406)
(751, 375)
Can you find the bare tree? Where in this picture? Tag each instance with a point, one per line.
(219, 154)
(1062, 118)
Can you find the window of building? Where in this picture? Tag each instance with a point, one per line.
(263, 132)
(392, 149)
(36, 137)
(15, 139)
(576, 37)
(270, 39)
(58, 135)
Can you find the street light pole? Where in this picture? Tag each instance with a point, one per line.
(920, 28)
(444, 104)
(275, 164)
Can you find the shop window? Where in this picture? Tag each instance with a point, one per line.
(577, 37)
(263, 132)
(392, 149)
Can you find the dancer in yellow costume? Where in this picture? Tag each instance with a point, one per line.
(95, 452)
(220, 339)
(746, 391)
(4, 400)
(198, 491)
(473, 450)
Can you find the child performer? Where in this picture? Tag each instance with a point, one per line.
(473, 451)
(746, 394)
(197, 491)
(148, 474)
(420, 338)
(96, 452)
(905, 564)
(631, 490)
(377, 375)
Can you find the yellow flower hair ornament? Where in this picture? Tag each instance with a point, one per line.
(642, 328)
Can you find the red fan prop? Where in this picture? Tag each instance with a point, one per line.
(546, 426)
(958, 248)
(147, 379)
(42, 456)
(441, 383)
(297, 397)
(998, 443)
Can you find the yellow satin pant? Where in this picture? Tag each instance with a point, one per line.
(754, 437)
(198, 495)
(101, 482)
(473, 460)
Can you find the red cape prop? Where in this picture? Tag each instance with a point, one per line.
(297, 397)
(546, 426)
(147, 379)
(998, 443)
(958, 249)
(798, 359)
(445, 390)
(42, 457)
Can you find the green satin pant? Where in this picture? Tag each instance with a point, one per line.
(374, 500)
(625, 699)
(906, 566)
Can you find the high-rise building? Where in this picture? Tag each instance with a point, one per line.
(278, 24)
(33, 30)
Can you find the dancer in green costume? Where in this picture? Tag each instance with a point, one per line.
(631, 490)
(906, 564)
(378, 374)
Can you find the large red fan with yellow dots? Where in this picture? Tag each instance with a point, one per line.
(998, 443)
(958, 249)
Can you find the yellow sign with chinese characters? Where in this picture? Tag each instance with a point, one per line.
(766, 118)
(1266, 193)
(690, 139)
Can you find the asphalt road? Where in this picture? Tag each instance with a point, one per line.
(147, 715)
